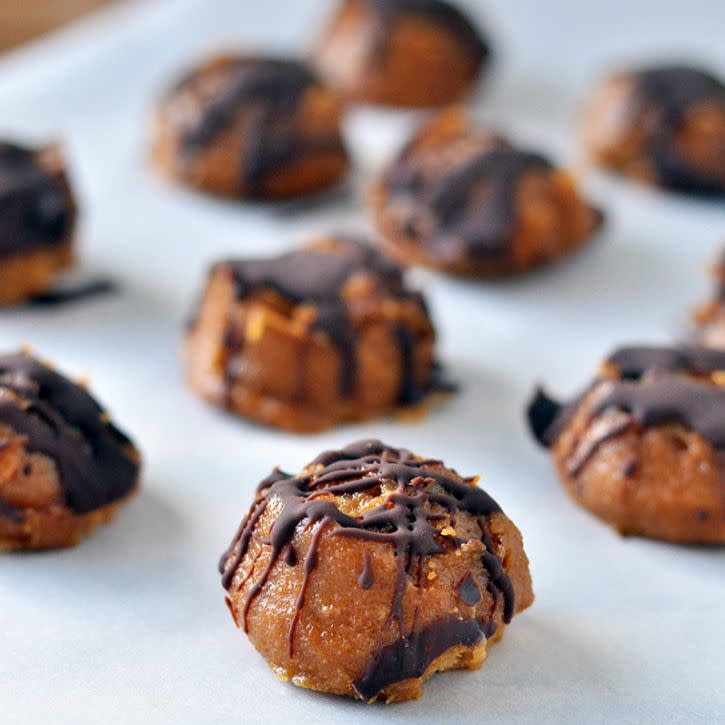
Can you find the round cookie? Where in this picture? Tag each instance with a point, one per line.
(467, 202)
(311, 338)
(260, 128)
(37, 219)
(413, 53)
(663, 125)
(64, 467)
(643, 447)
(710, 317)
(373, 569)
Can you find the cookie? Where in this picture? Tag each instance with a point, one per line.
(373, 569)
(643, 448)
(64, 466)
(311, 338)
(411, 53)
(261, 128)
(37, 221)
(663, 125)
(468, 202)
(710, 316)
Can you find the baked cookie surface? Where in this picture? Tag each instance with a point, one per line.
(311, 338)
(412, 53)
(371, 570)
(643, 447)
(64, 467)
(37, 219)
(264, 128)
(663, 125)
(465, 201)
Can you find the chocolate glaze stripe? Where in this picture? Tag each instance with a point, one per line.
(36, 210)
(61, 420)
(405, 520)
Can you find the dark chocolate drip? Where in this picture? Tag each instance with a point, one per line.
(71, 294)
(410, 656)
(317, 277)
(365, 580)
(11, 513)
(61, 420)
(271, 90)
(405, 520)
(410, 391)
(671, 91)
(35, 208)
(634, 362)
(470, 211)
(443, 13)
(468, 591)
(543, 413)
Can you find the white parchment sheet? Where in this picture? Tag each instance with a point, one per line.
(131, 626)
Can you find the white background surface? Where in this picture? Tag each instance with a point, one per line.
(131, 626)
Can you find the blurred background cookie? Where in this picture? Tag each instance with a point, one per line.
(402, 52)
(373, 569)
(466, 201)
(64, 466)
(663, 125)
(710, 317)
(311, 338)
(643, 447)
(37, 220)
(264, 128)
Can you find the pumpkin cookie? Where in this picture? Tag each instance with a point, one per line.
(663, 125)
(467, 202)
(412, 53)
(643, 447)
(37, 219)
(261, 128)
(311, 338)
(64, 467)
(373, 569)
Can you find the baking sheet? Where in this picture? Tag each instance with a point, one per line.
(131, 626)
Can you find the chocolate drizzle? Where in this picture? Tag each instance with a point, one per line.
(671, 92)
(443, 13)
(318, 277)
(468, 591)
(666, 399)
(65, 295)
(35, 206)
(419, 499)
(411, 656)
(633, 362)
(470, 211)
(270, 92)
(365, 580)
(655, 387)
(96, 463)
